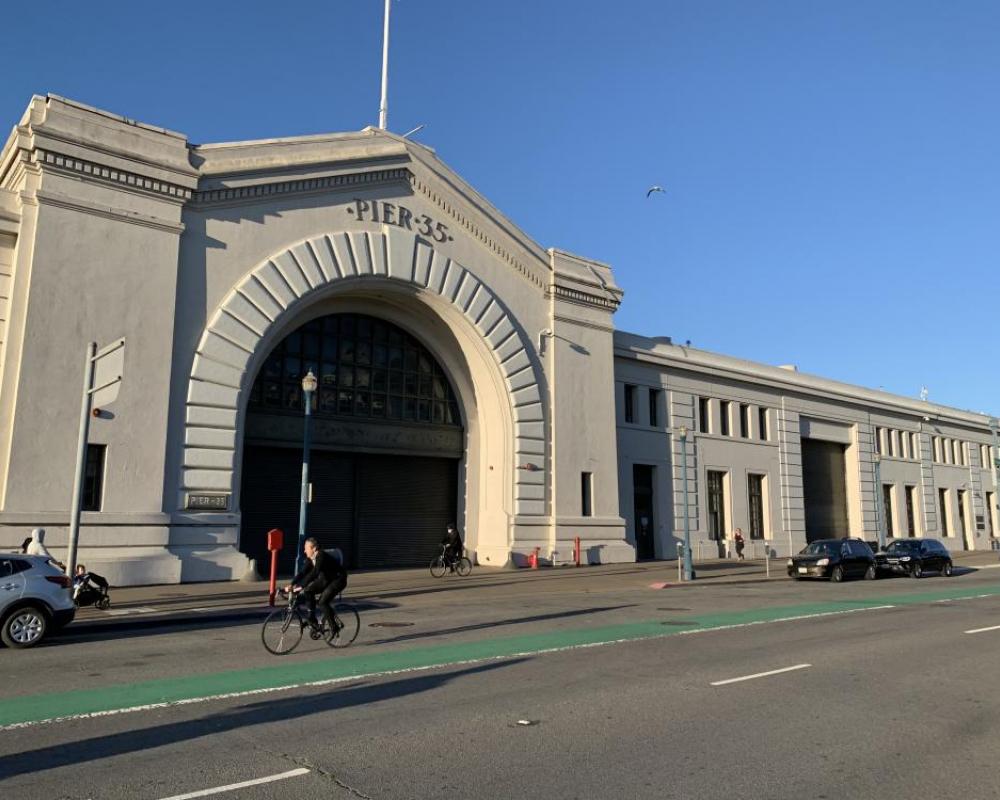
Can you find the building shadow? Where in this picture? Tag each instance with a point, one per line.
(317, 701)
(480, 626)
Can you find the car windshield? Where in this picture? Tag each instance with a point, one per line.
(821, 548)
(897, 547)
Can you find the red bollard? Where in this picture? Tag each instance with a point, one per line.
(275, 540)
(576, 550)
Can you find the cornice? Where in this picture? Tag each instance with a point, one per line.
(583, 298)
(258, 191)
(803, 384)
(110, 175)
(470, 226)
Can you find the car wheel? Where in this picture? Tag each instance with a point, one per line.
(946, 570)
(871, 573)
(24, 627)
(917, 570)
(837, 574)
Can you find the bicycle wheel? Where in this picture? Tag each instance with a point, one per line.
(282, 632)
(438, 567)
(463, 567)
(346, 615)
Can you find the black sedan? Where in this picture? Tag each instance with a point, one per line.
(914, 557)
(835, 559)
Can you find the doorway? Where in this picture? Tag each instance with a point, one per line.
(642, 487)
(824, 489)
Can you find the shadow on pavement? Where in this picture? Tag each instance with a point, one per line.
(91, 631)
(290, 708)
(480, 626)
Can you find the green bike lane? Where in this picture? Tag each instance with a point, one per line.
(345, 666)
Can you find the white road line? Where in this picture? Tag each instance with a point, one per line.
(983, 630)
(760, 675)
(233, 786)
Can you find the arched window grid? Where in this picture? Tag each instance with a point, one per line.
(365, 367)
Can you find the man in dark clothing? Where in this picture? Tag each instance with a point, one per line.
(322, 578)
(453, 545)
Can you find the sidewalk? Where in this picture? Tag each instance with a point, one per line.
(189, 603)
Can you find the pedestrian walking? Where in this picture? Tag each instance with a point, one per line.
(740, 543)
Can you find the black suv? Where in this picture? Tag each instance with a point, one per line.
(914, 557)
(835, 559)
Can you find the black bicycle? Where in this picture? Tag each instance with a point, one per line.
(284, 627)
(442, 563)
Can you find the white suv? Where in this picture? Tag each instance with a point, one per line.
(35, 599)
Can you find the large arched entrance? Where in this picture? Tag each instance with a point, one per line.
(387, 442)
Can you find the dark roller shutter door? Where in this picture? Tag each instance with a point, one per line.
(269, 498)
(331, 512)
(272, 481)
(404, 505)
(824, 489)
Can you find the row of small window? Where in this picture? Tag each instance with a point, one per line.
(952, 451)
(632, 395)
(727, 425)
(910, 499)
(897, 444)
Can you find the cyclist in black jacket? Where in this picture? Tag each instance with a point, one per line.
(322, 578)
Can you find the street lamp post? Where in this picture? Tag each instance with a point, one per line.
(994, 425)
(879, 501)
(308, 387)
(688, 566)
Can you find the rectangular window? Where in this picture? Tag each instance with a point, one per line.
(762, 423)
(716, 505)
(703, 424)
(755, 505)
(724, 408)
(877, 443)
(943, 510)
(586, 494)
(654, 402)
(93, 478)
(887, 509)
(890, 440)
(744, 421)
(911, 527)
(914, 447)
(936, 454)
(961, 513)
(629, 403)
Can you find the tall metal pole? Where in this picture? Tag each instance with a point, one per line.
(879, 501)
(994, 425)
(688, 566)
(308, 387)
(383, 110)
(81, 459)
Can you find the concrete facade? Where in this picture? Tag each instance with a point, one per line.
(942, 454)
(203, 258)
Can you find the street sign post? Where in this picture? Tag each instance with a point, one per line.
(102, 375)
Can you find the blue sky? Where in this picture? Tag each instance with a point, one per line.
(832, 168)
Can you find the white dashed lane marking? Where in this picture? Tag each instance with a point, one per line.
(234, 786)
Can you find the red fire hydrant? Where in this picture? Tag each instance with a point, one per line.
(275, 541)
(533, 558)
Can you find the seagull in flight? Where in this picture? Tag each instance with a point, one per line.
(655, 189)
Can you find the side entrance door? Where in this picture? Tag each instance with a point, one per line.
(642, 483)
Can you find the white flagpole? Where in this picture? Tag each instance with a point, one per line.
(383, 111)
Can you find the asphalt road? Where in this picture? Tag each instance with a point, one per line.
(887, 698)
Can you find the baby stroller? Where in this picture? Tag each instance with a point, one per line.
(90, 589)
